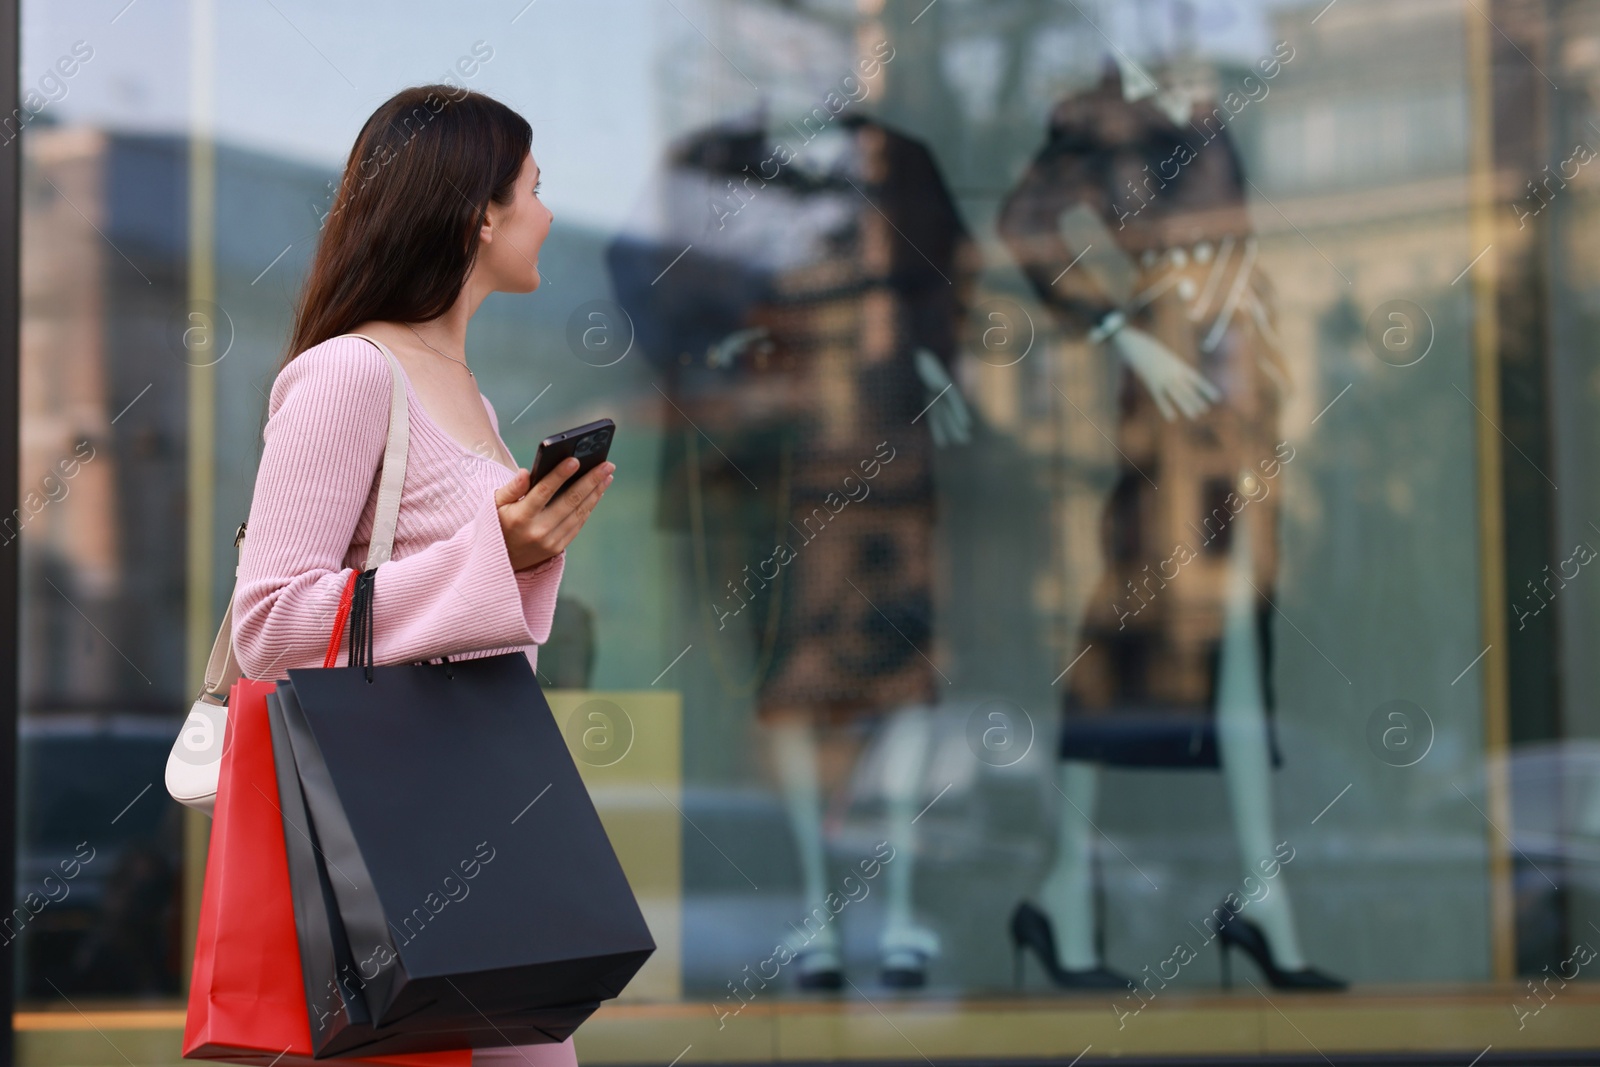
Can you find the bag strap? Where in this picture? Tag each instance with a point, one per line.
(394, 461)
(222, 668)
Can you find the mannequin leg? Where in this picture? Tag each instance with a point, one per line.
(906, 742)
(794, 751)
(1067, 894)
(1246, 760)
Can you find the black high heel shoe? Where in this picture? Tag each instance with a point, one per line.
(1030, 928)
(826, 976)
(1246, 936)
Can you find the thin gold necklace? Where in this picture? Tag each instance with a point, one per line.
(446, 355)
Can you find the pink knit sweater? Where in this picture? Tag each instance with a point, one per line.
(448, 587)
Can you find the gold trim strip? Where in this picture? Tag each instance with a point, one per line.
(132, 1019)
(1491, 529)
(200, 625)
(1373, 1019)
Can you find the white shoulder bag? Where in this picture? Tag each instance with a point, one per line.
(195, 762)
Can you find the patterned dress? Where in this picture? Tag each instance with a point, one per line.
(797, 456)
(1184, 269)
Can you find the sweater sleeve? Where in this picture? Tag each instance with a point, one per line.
(327, 424)
(538, 584)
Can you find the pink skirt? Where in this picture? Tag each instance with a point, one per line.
(562, 1055)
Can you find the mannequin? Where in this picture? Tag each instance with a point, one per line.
(807, 334)
(1176, 654)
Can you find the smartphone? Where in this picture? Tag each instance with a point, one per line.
(589, 443)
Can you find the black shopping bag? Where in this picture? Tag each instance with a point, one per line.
(477, 879)
(341, 1024)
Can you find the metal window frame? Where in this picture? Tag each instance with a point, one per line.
(10, 445)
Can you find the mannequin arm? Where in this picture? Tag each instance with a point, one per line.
(949, 419)
(1174, 385)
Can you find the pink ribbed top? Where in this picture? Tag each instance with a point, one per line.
(448, 587)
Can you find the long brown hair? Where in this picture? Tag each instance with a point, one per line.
(402, 233)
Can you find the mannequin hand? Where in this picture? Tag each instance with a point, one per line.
(1171, 381)
(536, 529)
(948, 417)
(725, 351)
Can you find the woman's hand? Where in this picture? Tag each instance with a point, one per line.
(536, 528)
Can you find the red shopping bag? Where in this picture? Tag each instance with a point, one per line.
(247, 998)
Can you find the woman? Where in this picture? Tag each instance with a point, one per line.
(438, 208)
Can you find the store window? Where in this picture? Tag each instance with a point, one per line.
(1099, 555)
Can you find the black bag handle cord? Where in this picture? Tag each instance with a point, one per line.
(361, 622)
(361, 608)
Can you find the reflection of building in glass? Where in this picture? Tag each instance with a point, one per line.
(1367, 164)
(99, 543)
(102, 567)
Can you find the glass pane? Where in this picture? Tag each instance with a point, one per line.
(99, 907)
(1086, 509)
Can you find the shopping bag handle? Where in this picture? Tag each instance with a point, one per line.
(332, 657)
(361, 620)
(355, 608)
